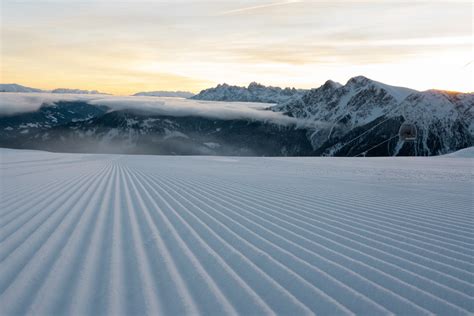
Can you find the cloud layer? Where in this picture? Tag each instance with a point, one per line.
(13, 103)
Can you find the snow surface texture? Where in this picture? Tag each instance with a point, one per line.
(110, 234)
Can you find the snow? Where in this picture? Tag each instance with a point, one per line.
(75, 91)
(116, 234)
(255, 92)
(399, 93)
(362, 100)
(333, 84)
(444, 120)
(463, 153)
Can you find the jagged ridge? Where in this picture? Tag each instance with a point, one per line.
(253, 93)
(359, 115)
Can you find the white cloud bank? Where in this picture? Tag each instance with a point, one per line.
(13, 103)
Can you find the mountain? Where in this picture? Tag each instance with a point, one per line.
(81, 127)
(75, 91)
(253, 93)
(13, 87)
(174, 94)
(360, 118)
(363, 118)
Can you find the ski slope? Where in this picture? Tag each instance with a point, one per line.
(114, 234)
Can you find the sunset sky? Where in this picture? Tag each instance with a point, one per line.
(126, 46)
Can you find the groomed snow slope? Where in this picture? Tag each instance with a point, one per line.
(95, 234)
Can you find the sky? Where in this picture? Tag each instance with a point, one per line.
(125, 46)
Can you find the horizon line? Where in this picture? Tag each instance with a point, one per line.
(100, 91)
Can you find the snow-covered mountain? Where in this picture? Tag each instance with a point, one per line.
(253, 93)
(173, 94)
(355, 118)
(362, 117)
(82, 127)
(13, 87)
(75, 91)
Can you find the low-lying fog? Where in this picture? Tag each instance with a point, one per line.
(14, 103)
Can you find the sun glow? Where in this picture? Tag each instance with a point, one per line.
(191, 45)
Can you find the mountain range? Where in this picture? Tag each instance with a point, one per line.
(364, 113)
(255, 92)
(171, 94)
(81, 127)
(13, 87)
(360, 118)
